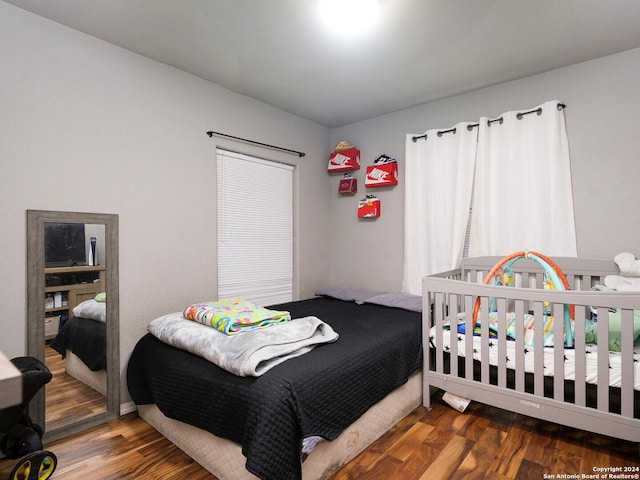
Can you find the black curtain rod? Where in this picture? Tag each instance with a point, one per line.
(471, 126)
(211, 134)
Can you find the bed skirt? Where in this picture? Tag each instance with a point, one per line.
(78, 370)
(224, 459)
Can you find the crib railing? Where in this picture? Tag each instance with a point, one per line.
(582, 274)
(591, 406)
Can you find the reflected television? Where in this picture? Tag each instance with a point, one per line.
(64, 245)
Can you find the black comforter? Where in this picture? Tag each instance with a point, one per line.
(86, 338)
(319, 393)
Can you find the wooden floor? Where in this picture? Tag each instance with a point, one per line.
(68, 399)
(482, 443)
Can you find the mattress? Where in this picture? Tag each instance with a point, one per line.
(224, 459)
(591, 357)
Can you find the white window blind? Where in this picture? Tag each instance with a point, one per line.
(255, 229)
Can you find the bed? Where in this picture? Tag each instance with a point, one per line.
(591, 383)
(347, 393)
(81, 340)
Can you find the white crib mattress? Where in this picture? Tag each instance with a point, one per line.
(591, 358)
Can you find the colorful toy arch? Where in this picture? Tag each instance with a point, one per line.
(554, 279)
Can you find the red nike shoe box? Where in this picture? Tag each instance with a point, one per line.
(369, 208)
(381, 175)
(344, 161)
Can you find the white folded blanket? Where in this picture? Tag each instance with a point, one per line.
(628, 265)
(629, 278)
(622, 284)
(250, 353)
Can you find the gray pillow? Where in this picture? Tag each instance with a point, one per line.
(92, 310)
(398, 300)
(349, 294)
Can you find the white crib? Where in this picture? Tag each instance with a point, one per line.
(586, 386)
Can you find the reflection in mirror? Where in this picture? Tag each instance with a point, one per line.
(73, 317)
(75, 322)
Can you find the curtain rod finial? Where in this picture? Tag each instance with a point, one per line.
(210, 134)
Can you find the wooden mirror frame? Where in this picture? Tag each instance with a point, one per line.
(36, 220)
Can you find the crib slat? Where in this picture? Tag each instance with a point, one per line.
(580, 388)
(474, 276)
(603, 359)
(438, 304)
(558, 352)
(627, 364)
(587, 282)
(538, 349)
(519, 372)
(502, 342)
(453, 334)
(468, 328)
(539, 280)
(484, 339)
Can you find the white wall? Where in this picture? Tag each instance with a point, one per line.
(603, 107)
(86, 126)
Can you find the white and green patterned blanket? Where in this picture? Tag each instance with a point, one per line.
(234, 316)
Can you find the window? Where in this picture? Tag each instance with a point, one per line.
(255, 229)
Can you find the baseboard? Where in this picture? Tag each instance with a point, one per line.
(127, 408)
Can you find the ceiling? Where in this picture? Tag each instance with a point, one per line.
(278, 51)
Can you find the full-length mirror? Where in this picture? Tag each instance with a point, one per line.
(73, 321)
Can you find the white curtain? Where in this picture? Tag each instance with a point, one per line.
(523, 198)
(438, 185)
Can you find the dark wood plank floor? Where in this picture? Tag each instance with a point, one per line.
(68, 399)
(483, 443)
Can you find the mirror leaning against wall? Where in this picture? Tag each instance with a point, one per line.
(73, 318)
